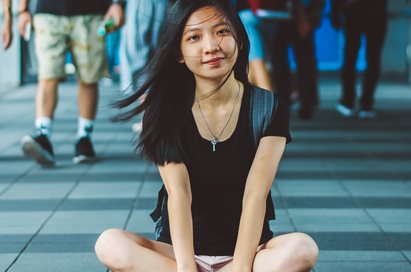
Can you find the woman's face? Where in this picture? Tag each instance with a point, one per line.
(208, 46)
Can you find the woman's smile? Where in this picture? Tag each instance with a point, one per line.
(214, 61)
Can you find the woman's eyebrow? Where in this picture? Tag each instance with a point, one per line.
(193, 29)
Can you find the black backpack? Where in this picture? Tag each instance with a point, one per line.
(262, 106)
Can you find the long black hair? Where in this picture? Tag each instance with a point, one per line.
(170, 86)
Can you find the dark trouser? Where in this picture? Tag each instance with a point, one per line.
(374, 33)
(304, 52)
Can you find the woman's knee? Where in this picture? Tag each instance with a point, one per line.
(304, 251)
(112, 250)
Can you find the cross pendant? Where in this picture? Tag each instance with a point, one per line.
(214, 142)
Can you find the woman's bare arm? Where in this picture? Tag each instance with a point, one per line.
(7, 33)
(177, 183)
(259, 181)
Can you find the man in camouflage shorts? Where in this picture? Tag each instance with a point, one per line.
(61, 26)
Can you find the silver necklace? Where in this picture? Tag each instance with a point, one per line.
(214, 140)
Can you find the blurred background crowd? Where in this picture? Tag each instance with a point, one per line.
(293, 44)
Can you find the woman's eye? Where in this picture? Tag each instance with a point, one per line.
(223, 32)
(193, 38)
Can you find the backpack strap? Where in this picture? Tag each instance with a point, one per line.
(156, 213)
(262, 106)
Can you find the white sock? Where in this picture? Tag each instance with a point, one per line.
(85, 127)
(44, 125)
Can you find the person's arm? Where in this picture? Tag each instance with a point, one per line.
(337, 7)
(259, 181)
(301, 18)
(24, 16)
(116, 12)
(7, 35)
(177, 183)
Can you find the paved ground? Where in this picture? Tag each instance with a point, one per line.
(346, 182)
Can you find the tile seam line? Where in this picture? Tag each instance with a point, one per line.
(406, 257)
(14, 90)
(133, 206)
(53, 212)
(136, 201)
(284, 203)
(45, 221)
(356, 201)
(351, 139)
(19, 177)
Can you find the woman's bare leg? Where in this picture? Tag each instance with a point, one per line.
(293, 252)
(123, 251)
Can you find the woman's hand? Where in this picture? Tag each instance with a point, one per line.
(7, 34)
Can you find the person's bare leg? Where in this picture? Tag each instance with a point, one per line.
(87, 100)
(259, 75)
(123, 251)
(46, 98)
(293, 252)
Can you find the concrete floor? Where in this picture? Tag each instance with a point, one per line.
(346, 182)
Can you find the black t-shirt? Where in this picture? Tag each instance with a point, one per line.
(73, 7)
(218, 181)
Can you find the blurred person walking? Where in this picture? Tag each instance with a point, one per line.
(7, 33)
(299, 32)
(61, 26)
(359, 18)
(139, 38)
(258, 72)
(139, 41)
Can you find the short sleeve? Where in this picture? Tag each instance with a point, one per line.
(279, 125)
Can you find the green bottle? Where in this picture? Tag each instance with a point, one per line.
(105, 27)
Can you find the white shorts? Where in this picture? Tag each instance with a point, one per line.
(211, 263)
(207, 263)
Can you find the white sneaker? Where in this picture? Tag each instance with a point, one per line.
(367, 114)
(344, 110)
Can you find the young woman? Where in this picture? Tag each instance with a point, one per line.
(196, 129)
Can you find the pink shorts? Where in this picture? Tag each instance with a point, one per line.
(207, 263)
(211, 263)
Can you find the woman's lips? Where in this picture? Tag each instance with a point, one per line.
(214, 61)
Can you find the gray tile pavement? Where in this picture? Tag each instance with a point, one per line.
(346, 182)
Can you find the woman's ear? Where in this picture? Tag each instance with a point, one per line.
(180, 59)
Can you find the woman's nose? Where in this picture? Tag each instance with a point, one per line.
(211, 45)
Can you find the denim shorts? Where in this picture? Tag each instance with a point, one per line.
(261, 33)
(253, 27)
